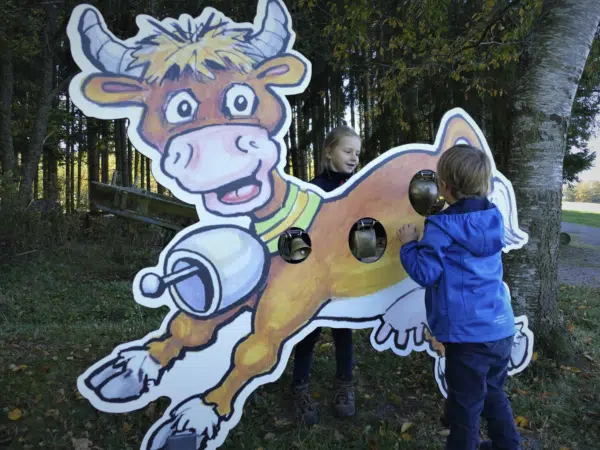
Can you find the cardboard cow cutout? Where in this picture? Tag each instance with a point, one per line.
(205, 98)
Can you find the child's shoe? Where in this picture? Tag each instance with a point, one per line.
(305, 405)
(344, 399)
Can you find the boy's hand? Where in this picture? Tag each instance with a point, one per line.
(407, 233)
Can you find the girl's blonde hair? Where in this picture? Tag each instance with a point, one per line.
(333, 138)
(466, 170)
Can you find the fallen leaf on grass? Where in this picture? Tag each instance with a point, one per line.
(150, 411)
(405, 427)
(339, 437)
(15, 414)
(316, 394)
(570, 369)
(564, 448)
(522, 422)
(444, 433)
(588, 357)
(570, 327)
(406, 437)
(396, 399)
(81, 444)
(53, 413)
(522, 392)
(282, 422)
(535, 356)
(545, 395)
(45, 368)
(126, 427)
(269, 436)
(19, 368)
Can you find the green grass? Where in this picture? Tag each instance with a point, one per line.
(581, 218)
(62, 311)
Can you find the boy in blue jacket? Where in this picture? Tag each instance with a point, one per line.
(459, 262)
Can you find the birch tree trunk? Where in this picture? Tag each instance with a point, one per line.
(550, 74)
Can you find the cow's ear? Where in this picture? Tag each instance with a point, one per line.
(109, 90)
(287, 70)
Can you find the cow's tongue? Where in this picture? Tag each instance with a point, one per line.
(241, 195)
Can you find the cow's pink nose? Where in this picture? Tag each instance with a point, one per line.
(246, 143)
(177, 158)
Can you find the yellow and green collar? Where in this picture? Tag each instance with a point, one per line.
(299, 209)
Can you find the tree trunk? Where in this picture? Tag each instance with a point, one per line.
(79, 158)
(352, 121)
(72, 137)
(40, 124)
(130, 176)
(125, 171)
(551, 71)
(6, 141)
(105, 131)
(68, 150)
(92, 153)
(136, 168)
(118, 152)
(148, 170)
(142, 172)
(51, 187)
(294, 141)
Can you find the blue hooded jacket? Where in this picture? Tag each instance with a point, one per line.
(459, 262)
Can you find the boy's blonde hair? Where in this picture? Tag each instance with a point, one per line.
(333, 138)
(466, 170)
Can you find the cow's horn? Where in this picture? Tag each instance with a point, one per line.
(273, 36)
(102, 50)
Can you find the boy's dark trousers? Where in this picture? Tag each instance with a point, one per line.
(475, 374)
(344, 355)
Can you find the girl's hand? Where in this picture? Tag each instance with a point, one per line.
(407, 233)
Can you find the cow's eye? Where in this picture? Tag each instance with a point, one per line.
(181, 108)
(239, 101)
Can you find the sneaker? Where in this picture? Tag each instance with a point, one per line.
(305, 405)
(344, 399)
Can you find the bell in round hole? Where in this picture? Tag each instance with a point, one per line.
(424, 194)
(363, 241)
(293, 246)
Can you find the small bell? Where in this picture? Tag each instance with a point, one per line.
(363, 242)
(293, 247)
(299, 250)
(424, 194)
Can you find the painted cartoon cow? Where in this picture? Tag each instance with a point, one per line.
(206, 101)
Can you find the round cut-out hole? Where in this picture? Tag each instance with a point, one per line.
(294, 245)
(424, 194)
(367, 240)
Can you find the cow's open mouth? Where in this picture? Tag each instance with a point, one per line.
(240, 191)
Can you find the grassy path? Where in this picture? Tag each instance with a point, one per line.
(60, 312)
